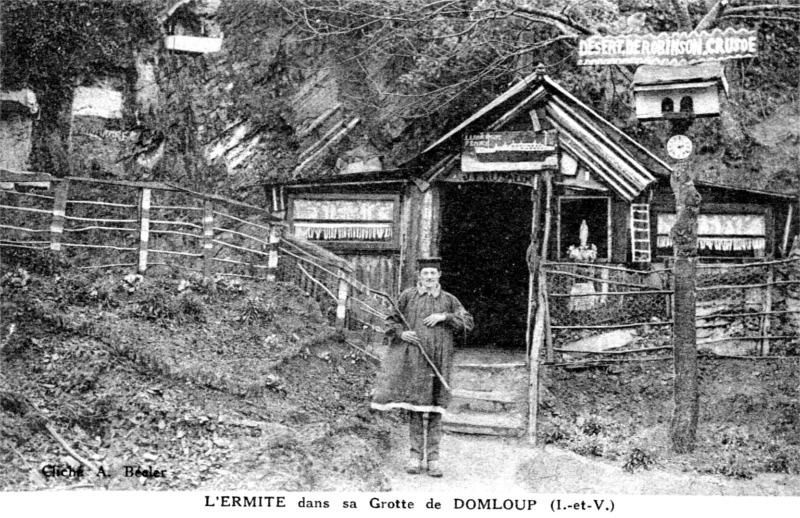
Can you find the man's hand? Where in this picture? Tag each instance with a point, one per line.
(434, 319)
(410, 336)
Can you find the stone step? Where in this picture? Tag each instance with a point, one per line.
(485, 401)
(483, 395)
(490, 378)
(506, 425)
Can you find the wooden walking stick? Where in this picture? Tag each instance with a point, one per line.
(408, 327)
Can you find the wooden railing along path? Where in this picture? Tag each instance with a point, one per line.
(140, 225)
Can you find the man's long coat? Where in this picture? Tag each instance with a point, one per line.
(406, 380)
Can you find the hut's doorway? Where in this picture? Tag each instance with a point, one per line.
(485, 233)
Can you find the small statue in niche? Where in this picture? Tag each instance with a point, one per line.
(584, 253)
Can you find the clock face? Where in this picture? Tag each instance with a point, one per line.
(679, 147)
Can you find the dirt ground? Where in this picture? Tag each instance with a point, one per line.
(485, 466)
(231, 385)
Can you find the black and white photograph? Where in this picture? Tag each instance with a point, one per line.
(400, 256)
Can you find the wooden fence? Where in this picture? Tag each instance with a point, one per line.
(750, 309)
(142, 225)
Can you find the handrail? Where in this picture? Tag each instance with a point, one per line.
(320, 252)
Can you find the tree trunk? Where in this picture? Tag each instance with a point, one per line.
(683, 427)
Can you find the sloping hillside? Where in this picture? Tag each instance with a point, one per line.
(222, 383)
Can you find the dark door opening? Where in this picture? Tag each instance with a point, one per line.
(485, 235)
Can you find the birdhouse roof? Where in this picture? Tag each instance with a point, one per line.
(662, 75)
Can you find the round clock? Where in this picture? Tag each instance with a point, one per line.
(679, 147)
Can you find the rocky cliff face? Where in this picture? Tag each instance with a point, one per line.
(272, 103)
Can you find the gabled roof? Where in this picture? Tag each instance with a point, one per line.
(625, 165)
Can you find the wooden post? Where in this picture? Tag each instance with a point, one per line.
(533, 380)
(426, 224)
(765, 322)
(533, 265)
(683, 426)
(144, 228)
(548, 332)
(548, 213)
(208, 237)
(785, 244)
(341, 307)
(59, 212)
(272, 262)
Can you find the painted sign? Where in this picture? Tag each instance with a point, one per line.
(668, 48)
(510, 151)
(344, 220)
(512, 177)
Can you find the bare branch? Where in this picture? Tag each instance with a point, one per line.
(558, 20)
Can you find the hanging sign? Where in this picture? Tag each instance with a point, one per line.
(510, 151)
(668, 48)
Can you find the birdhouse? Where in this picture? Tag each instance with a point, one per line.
(190, 26)
(663, 92)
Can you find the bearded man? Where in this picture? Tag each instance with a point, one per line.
(408, 381)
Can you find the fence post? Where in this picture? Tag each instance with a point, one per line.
(341, 308)
(59, 212)
(144, 228)
(208, 236)
(765, 324)
(272, 262)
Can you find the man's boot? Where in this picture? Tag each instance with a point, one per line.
(434, 469)
(414, 466)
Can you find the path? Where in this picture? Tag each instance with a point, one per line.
(486, 465)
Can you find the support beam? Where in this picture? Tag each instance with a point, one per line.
(533, 264)
(533, 380)
(426, 224)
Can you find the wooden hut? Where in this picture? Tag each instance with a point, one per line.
(536, 165)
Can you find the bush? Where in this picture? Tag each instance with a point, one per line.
(589, 434)
(41, 262)
(638, 459)
(156, 304)
(257, 311)
(737, 465)
(190, 307)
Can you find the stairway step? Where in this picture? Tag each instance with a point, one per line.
(489, 380)
(512, 365)
(486, 395)
(485, 401)
(484, 424)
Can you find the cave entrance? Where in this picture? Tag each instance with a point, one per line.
(485, 233)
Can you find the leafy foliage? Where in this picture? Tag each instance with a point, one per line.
(41, 262)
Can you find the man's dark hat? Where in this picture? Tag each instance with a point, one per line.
(429, 262)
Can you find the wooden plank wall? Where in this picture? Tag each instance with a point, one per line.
(378, 271)
(620, 231)
(413, 204)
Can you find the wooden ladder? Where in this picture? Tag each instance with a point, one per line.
(640, 232)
